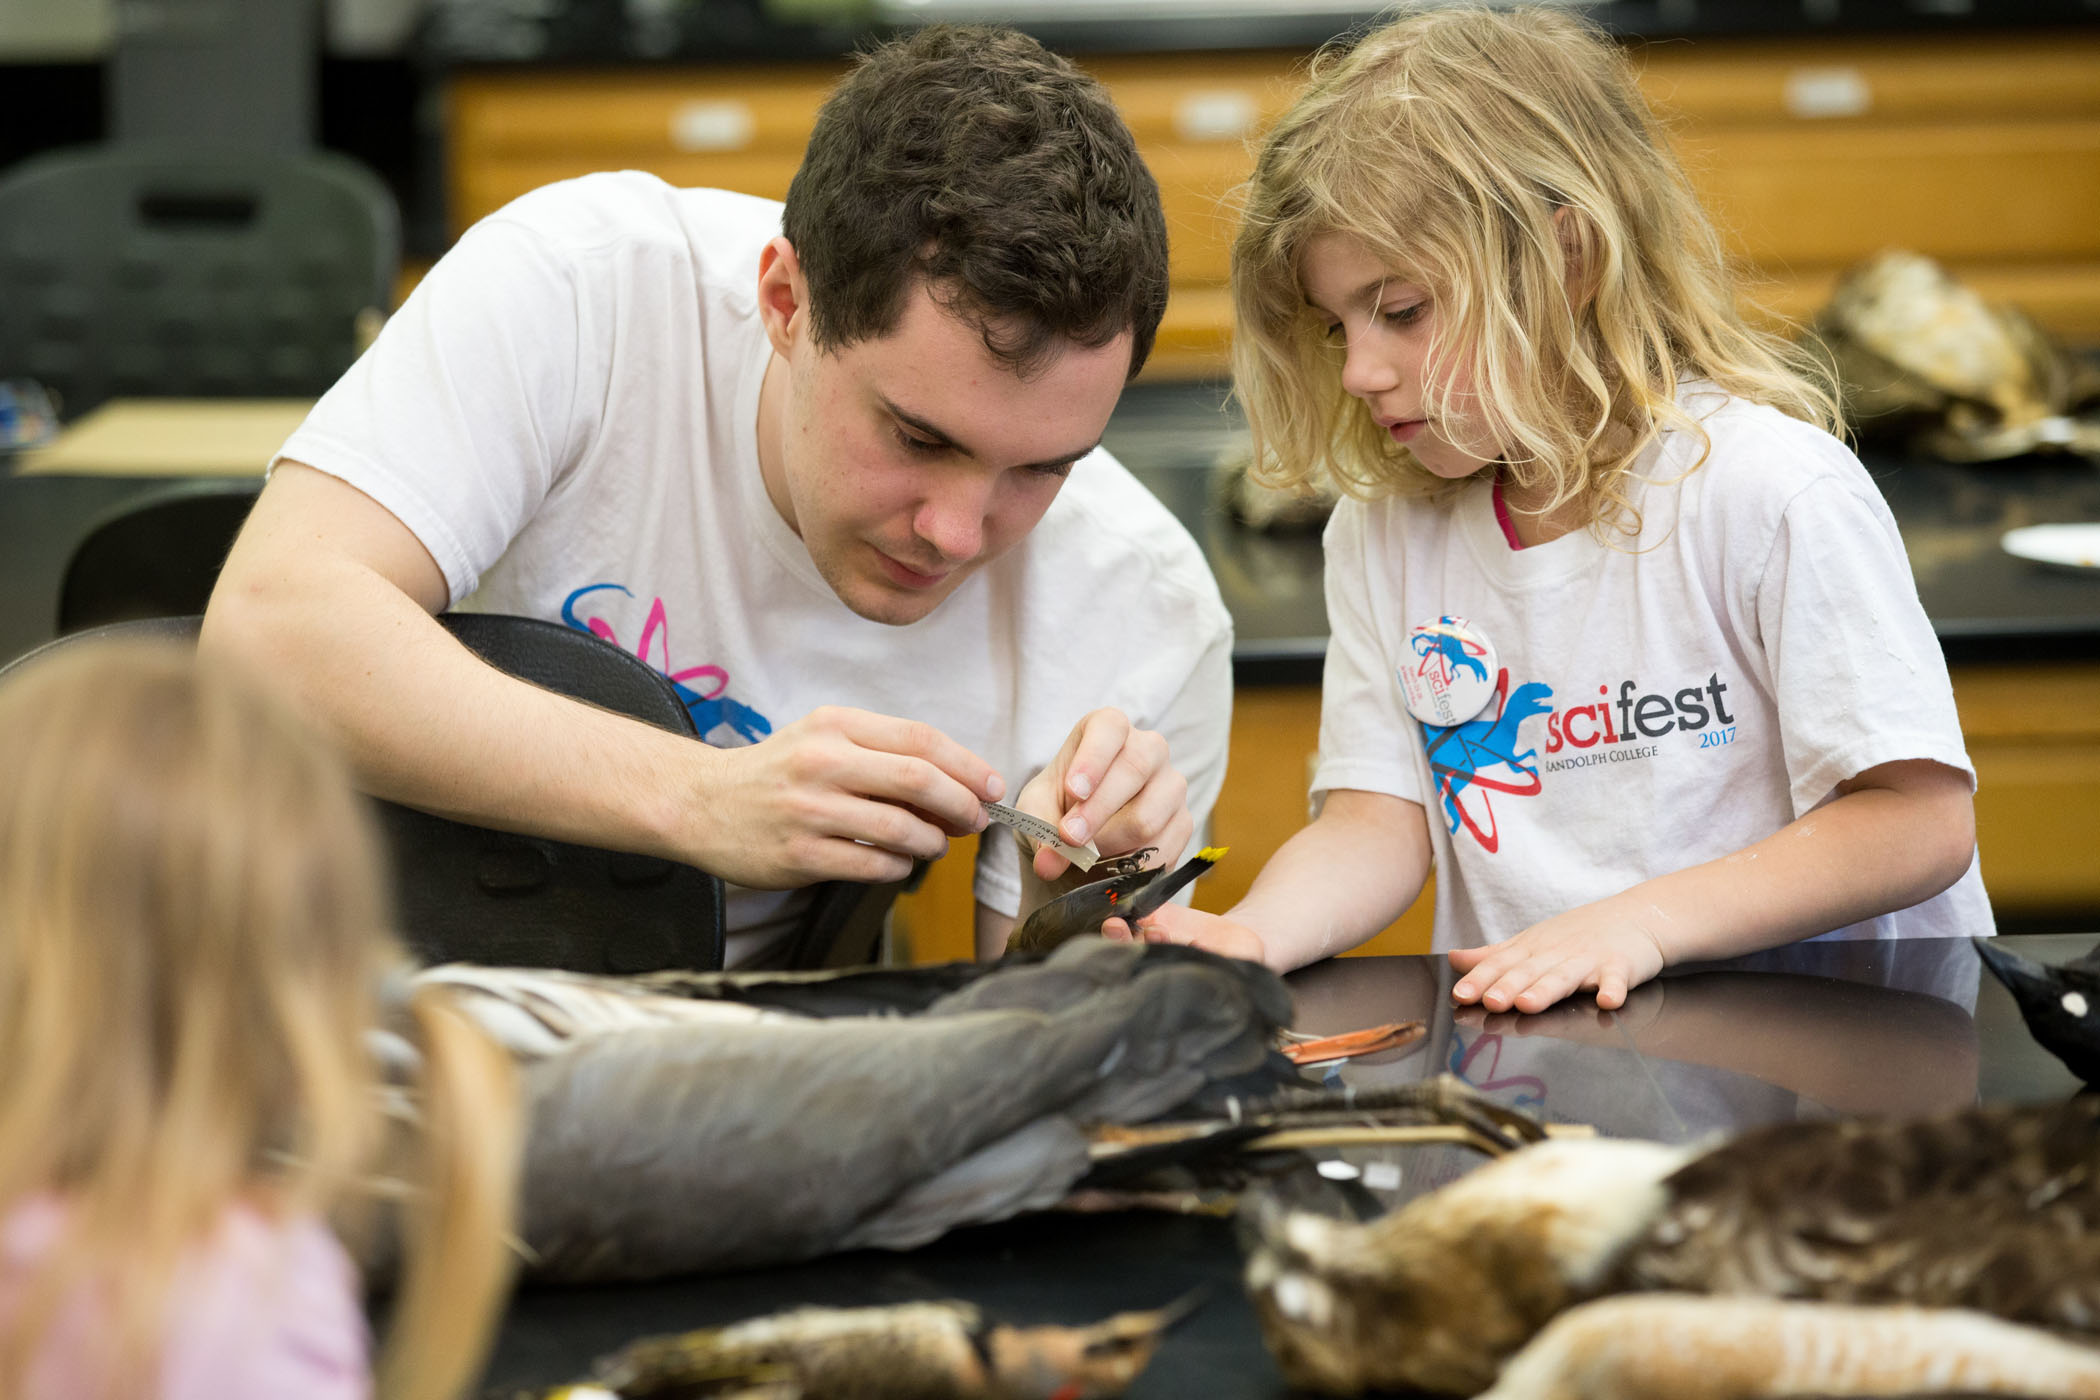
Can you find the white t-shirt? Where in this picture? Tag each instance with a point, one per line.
(1661, 702)
(565, 413)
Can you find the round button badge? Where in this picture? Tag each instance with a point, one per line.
(1452, 677)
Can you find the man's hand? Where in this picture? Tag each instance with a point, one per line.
(1177, 923)
(1110, 783)
(840, 794)
(1599, 947)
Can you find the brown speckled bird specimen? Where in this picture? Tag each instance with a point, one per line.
(1992, 1209)
(910, 1351)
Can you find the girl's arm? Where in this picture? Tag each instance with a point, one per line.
(1355, 869)
(1896, 835)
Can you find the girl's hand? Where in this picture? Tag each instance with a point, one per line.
(1596, 947)
(1176, 923)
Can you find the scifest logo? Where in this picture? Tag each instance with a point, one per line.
(1481, 757)
(720, 720)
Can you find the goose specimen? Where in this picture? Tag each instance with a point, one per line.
(1991, 1209)
(673, 1133)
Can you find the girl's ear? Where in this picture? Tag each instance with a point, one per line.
(1577, 261)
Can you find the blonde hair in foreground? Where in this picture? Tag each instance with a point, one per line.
(192, 933)
(1505, 160)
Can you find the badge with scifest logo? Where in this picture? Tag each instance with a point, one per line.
(1451, 677)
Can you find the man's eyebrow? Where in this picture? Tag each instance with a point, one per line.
(927, 430)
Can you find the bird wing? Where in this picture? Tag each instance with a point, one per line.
(1991, 1208)
(676, 1147)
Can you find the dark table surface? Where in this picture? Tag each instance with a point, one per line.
(1805, 1032)
(1985, 605)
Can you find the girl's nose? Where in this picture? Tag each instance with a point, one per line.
(1365, 371)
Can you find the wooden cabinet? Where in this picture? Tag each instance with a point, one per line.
(1983, 151)
(2034, 735)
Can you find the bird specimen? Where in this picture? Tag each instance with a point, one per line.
(1913, 346)
(1991, 1209)
(2060, 1004)
(1127, 894)
(1673, 1346)
(911, 1351)
(674, 1133)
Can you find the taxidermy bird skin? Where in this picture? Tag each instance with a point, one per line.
(1669, 1346)
(1994, 1209)
(1128, 896)
(911, 1351)
(2060, 1004)
(688, 1143)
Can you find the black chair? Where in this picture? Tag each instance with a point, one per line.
(468, 893)
(140, 270)
(154, 557)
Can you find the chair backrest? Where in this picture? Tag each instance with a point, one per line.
(154, 557)
(468, 893)
(844, 926)
(143, 270)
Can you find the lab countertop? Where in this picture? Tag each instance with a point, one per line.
(1985, 605)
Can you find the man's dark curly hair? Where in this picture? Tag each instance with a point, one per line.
(977, 160)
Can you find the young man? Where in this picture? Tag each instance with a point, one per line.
(832, 467)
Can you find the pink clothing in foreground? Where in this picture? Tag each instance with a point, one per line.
(266, 1308)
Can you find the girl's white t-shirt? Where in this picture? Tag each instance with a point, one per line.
(1659, 701)
(565, 414)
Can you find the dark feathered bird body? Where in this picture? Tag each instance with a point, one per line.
(1128, 896)
(1996, 1209)
(2060, 1004)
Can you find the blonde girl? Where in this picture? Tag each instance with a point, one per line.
(1624, 641)
(192, 937)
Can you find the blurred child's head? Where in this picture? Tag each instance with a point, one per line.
(192, 933)
(1470, 229)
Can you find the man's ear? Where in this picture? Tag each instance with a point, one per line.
(783, 295)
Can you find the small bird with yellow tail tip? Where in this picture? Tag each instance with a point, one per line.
(1129, 896)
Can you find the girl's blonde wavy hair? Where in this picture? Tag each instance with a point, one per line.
(192, 935)
(1505, 160)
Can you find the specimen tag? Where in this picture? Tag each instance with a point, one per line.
(1042, 833)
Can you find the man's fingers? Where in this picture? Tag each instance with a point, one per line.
(1049, 865)
(1094, 744)
(1134, 793)
(914, 739)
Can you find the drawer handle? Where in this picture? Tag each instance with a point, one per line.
(1223, 115)
(1827, 92)
(712, 126)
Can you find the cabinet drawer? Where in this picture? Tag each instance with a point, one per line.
(627, 116)
(1969, 78)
